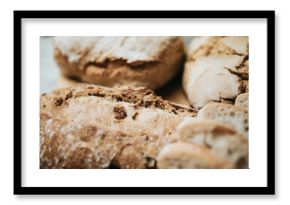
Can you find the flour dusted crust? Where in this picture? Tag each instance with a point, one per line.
(216, 70)
(119, 60)
(89, 126)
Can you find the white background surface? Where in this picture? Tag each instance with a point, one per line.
(33, 176)
(282, 99)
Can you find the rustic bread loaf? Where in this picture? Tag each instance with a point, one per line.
(233, 116)
(216, 70)
(90, 126)
(222, 140)
(120, 60)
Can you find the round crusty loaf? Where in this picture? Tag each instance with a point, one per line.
(90, 126)
(216, 70)
(233, 116)
(119, 60)
(221, 139)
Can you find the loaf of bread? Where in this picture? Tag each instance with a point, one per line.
(216, 70)
(149, 61)
(233, 116)
(89, 126)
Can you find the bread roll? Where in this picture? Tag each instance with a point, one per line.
(182, 155)
(223, 141)
(90, 126)
(233, 116)
(216, 70)
(120, 60)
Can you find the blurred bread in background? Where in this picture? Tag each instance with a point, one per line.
(120, 60)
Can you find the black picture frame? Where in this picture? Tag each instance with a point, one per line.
(268, 190)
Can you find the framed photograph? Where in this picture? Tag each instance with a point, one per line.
(144, 102)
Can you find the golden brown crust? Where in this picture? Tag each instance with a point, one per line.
(90, 126)
(151, 69)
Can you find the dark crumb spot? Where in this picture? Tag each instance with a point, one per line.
(90, 87)
(232, 114)
(100, 95)
(246, 128)
(118, 98)
(245, 121)
(134, 116)
(147, 103)
(146, 138)
(69, 95)
(43, 106)
(43, 94)
(57, 101)
(150, 162)
(120, 112)
(136, 107)
(149, 92)
(174, 111)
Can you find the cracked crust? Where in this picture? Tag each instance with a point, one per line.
(110, 61)
(217, 70)
(90, 126)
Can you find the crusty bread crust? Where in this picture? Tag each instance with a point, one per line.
(134, 61)
(183, 155)
(222, 140)
(216, 70)
(89, 126)
(234, 116)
